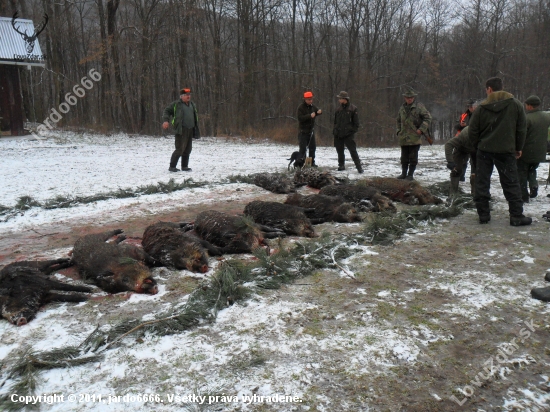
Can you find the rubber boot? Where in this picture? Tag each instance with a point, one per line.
(412, 168)
(453, 189)
(473, 184)
(484, 212)
(357, 162)
(403, 174)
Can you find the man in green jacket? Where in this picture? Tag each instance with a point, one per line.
(183, 115)
(346, 124)
(413, 121)
(497, 129)
(534, 150)
(306, 113)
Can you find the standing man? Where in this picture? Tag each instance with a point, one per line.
(346, 124)
(307, 112)
(457, 152)
(534, 150)
(497, 129)
(185, 122)
(465, 117)
(413, 121)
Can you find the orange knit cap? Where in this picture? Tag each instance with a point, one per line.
(308, 95)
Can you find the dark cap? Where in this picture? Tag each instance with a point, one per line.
(533, 100)
(471, 102)
(343, 95)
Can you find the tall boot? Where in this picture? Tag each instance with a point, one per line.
(473, 184)
(453, 189)
(173, 162)
(412, 168)
(404, 168)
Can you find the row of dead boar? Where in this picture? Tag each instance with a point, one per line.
(115, 266)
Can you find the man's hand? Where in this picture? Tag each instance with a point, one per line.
(419, 132)
(462, 123)
(518, 154)
(450, 165)
(165, 125)
(313, 115)
(319, 111)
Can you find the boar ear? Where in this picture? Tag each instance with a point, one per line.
(106, 274)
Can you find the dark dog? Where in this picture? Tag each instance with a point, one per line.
(297, 159)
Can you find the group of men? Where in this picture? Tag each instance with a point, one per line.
(496, 133)
(500, 132)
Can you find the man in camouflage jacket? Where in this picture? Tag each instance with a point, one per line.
(497, 130)
(534, 149)
(413, 121)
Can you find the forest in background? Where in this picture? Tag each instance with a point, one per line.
(249, 61)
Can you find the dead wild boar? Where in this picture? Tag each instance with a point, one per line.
(274, 182)
(315, 178)
(233, 234)
(47, 267)
(290, 219)
(405, 191)
(361, 195)
(111, 266)
(168, 243)
(326, 208)
(23, 290)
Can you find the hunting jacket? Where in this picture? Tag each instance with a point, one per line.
(346, 121)
(174, 114)
(459, 143)
(499, 124)
(409, 119)
(534, 149)
(305, 121)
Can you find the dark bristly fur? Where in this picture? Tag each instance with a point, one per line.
(326, 208)
(233, 234)
(357, 194)
(291, 219)
(23, 290)
(173, 247)
(405, 191)
(315, 178)
(274, 182)
(111, 266)
(47, 267)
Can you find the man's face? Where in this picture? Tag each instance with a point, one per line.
(309, 101)
(343, 101)
(186, 97)
(471, 108)
(409, 100)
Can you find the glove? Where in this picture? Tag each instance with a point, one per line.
(450, 165)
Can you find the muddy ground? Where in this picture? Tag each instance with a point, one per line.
(421, 322)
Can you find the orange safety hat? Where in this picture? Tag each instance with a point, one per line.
(308, 95)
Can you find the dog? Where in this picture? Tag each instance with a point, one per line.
(297, 159)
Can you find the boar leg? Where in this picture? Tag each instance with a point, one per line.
(107, 235)
(54, 284)
(212, 250)
(273, 235)
(60, 297)
(317, 221)
(267, 229)
(120, 238)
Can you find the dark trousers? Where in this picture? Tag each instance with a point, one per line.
(184, 144)
(508, 173)
(306, 140)
(349, 142)
(527, 173)
(460, 160)
(409, 155)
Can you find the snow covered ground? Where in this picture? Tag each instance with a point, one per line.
(329, 355)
